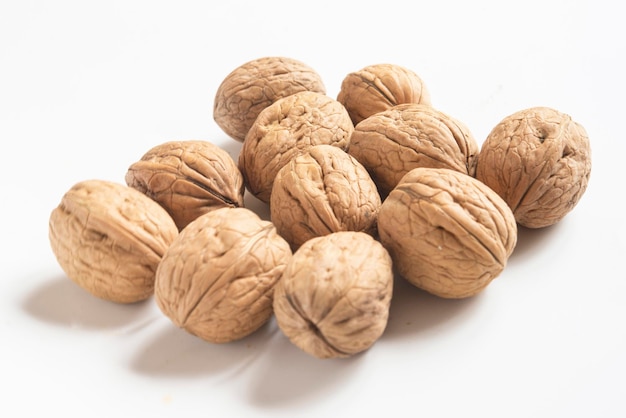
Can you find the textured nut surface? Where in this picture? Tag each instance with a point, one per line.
(188, 178)
(216, 280)
(333, 299)
(391, 143)
(447, 232)
(286, 128)
(256, 84)
(378, 87)
(320, 191)
(109, 239)
(539, 161)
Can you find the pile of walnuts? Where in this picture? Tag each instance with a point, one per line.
(372, 184)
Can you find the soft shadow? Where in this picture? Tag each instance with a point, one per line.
(174, 352)
(257, 206)
(414, 310)
(530, 241)
(232, 147)
(289, 376)
(61, 302)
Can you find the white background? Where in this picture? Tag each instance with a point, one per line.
(87, 87)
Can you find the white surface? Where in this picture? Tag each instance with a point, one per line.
(87, 87)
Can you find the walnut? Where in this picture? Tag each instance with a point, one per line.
(253, 86)
(109, 239)
(334, 296)
(188, 178)
(217, 278)
(539, 161)
(391, 143)
(447, 232)
(320, 191)
(286, 128)
(378, 87)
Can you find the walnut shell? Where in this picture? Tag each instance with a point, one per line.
(286, 128)
(253, 86)
(378, 87)
(320, 191)
(333, 299)
(216, 280)
(447, 232)
(539, 161)
(391, 143)
(188, 178)
(109, 239)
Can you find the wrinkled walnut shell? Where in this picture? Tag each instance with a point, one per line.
(391, 143)
(333, 299)
(109, 239)
(253, 86)
(379, 87)
(216, 280)
(447, 232)
(320, 191)
(286, 128)
(539, 161)
(188, 178)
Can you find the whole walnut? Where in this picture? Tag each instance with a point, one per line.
(256, 84)
(378, 87)
(334, 296)
(447, 232)
(217, 278)
(320, 191)
(285, 129)
(539, 161)
(188, 178)
(391, 143)
(109, 239)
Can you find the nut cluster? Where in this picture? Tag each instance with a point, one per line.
(373, 185)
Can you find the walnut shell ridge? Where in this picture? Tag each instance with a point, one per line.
(109, 239)
(256, 84)
(285, 129)
(188, 178)
(539, 161)
(321, 191)
(333, 298)
(391, 143)
(447, 233)
(217, 278)
(378, 87)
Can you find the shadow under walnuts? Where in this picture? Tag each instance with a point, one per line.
(61, 302)
(289, 376)
(531, 241)
(413, 310)
(175, 353)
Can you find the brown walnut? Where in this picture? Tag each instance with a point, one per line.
(391, 143)
(334, 296)
(320, 191)
(188, 178)
(447, 232)
(256, 84)
(539, 161)
(378, 87)
(217, 279)
(285, 129)
(109, 239)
